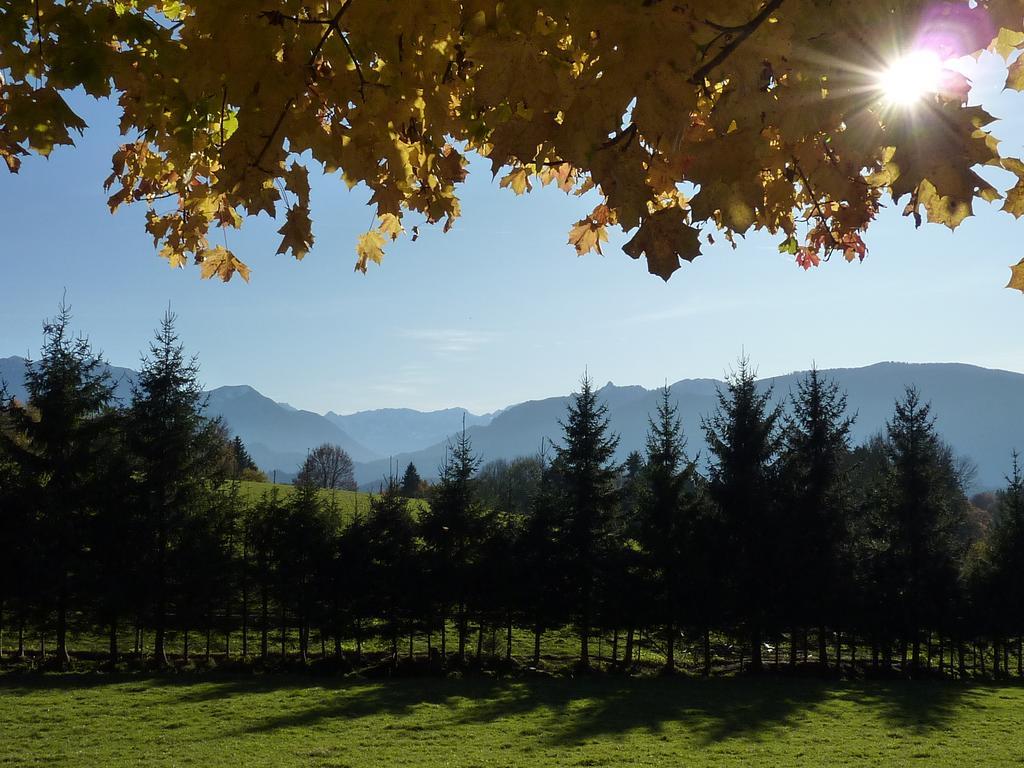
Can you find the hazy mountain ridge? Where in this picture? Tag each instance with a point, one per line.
(388, 431)
(976, 409)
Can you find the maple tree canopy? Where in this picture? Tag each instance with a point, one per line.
(791, 116)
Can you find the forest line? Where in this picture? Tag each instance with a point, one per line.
(130, 516)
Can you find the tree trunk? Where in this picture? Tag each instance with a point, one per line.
(186, 646)
(707, 652)
(62, 623)
(264, 623)
(245, 608)
(839, 650)
(209, 635)
(508, 638)
(792, 646)
(615, 646)
(537, 632)
(480, 643)
(755, 650)
(283, 630)
(113, 640)
(822, 647)
(160, 640)
(21, 638)
(627, 656)
(463, 631)
(670, 646)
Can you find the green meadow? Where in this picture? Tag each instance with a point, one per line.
(347, 503)
(285, 720)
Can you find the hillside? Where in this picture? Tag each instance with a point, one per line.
(976, 409)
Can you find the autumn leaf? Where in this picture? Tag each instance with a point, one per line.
(807, 257)
(518, 180)
(664, 238)
(1017, 276)
(588, 234)
(222, 263)
(296, 232)
(765, 115)
(370, 247)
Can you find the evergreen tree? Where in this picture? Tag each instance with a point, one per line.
(584, 466)
(302, 560)
(921, 514)
(815, 522)
(542, 574)
(394, 565)
(177, 453)
(242, 460)
(744, 439)
(452, 530)
(411, 482)
(61, 428)
(1007, 555)
(667, 510)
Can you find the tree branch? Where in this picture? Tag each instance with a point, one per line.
(742, 33)
(332, 26)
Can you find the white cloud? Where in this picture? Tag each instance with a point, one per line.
(448, 341)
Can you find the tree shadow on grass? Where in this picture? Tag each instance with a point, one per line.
(561, 711)
(572, 711)
(916, 705)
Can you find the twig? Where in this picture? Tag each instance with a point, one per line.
(814, 200)
(39, 36)
(332, 25)
(742, 33)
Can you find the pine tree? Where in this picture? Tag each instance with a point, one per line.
(243, 460)
(667, 510)
(584, 466)
(922, 510)
(394, 566)
(744, 440)
(61, 429)
(815, 523)
(452, 530)
(411, 482)
(177, 452)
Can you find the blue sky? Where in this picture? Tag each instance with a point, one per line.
(500, 309)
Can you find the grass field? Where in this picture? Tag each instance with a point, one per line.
(278, 720)
(346, 502)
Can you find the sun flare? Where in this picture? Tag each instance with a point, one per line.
(911, 77)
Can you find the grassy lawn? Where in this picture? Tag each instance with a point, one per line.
(272, 720)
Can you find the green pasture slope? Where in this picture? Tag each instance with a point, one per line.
(346, 502)
(278, 720)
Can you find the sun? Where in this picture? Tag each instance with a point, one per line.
(911, 77)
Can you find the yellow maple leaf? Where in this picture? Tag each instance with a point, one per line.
(518, 180)
(222, 263)
(370, 247)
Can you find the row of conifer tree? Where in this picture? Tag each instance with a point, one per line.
(123, 518)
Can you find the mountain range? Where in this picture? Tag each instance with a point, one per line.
(977, 411)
